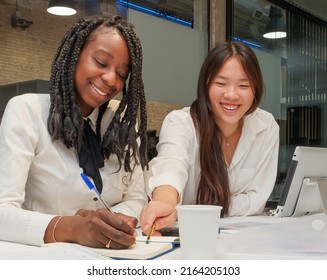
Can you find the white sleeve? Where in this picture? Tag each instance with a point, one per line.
(18, 137)
(171, 165)
(134, 196)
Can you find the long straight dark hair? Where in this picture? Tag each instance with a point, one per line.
(214, 186)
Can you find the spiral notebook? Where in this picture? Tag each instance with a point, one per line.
(158, 245)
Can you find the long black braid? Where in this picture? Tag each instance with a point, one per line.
(65, 121)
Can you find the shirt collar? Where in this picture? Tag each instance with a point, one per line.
(93, 116)
(253, 124)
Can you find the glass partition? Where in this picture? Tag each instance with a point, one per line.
(294, 69)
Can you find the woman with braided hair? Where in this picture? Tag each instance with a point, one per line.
(47, 141)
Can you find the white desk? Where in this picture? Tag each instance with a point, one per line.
(270, 238)
(260, 237)
(292, 238)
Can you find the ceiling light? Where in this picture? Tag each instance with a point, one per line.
(61, 7)
(276, 27)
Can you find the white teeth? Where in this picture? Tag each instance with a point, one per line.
(99, 91)
(229, 107)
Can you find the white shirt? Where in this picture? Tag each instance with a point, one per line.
(252, 172)
(40, 179)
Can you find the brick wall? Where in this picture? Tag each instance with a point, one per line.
(27, 54)
(156, 113)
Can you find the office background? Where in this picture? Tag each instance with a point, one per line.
(176, 36)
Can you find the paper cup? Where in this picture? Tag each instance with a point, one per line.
(198, 231)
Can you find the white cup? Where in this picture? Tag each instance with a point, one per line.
(198, 231)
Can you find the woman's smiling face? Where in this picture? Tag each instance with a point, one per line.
(102, 69)
(230, 93)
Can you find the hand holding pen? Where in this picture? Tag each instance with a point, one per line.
(156, 215)
(124, 233)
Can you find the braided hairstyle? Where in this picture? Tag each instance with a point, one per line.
(65, 121)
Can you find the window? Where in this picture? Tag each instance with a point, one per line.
(296, 65)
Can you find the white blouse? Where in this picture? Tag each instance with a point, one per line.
(252, 172)
(40, 179)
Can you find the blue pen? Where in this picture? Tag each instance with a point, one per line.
(92, 187)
